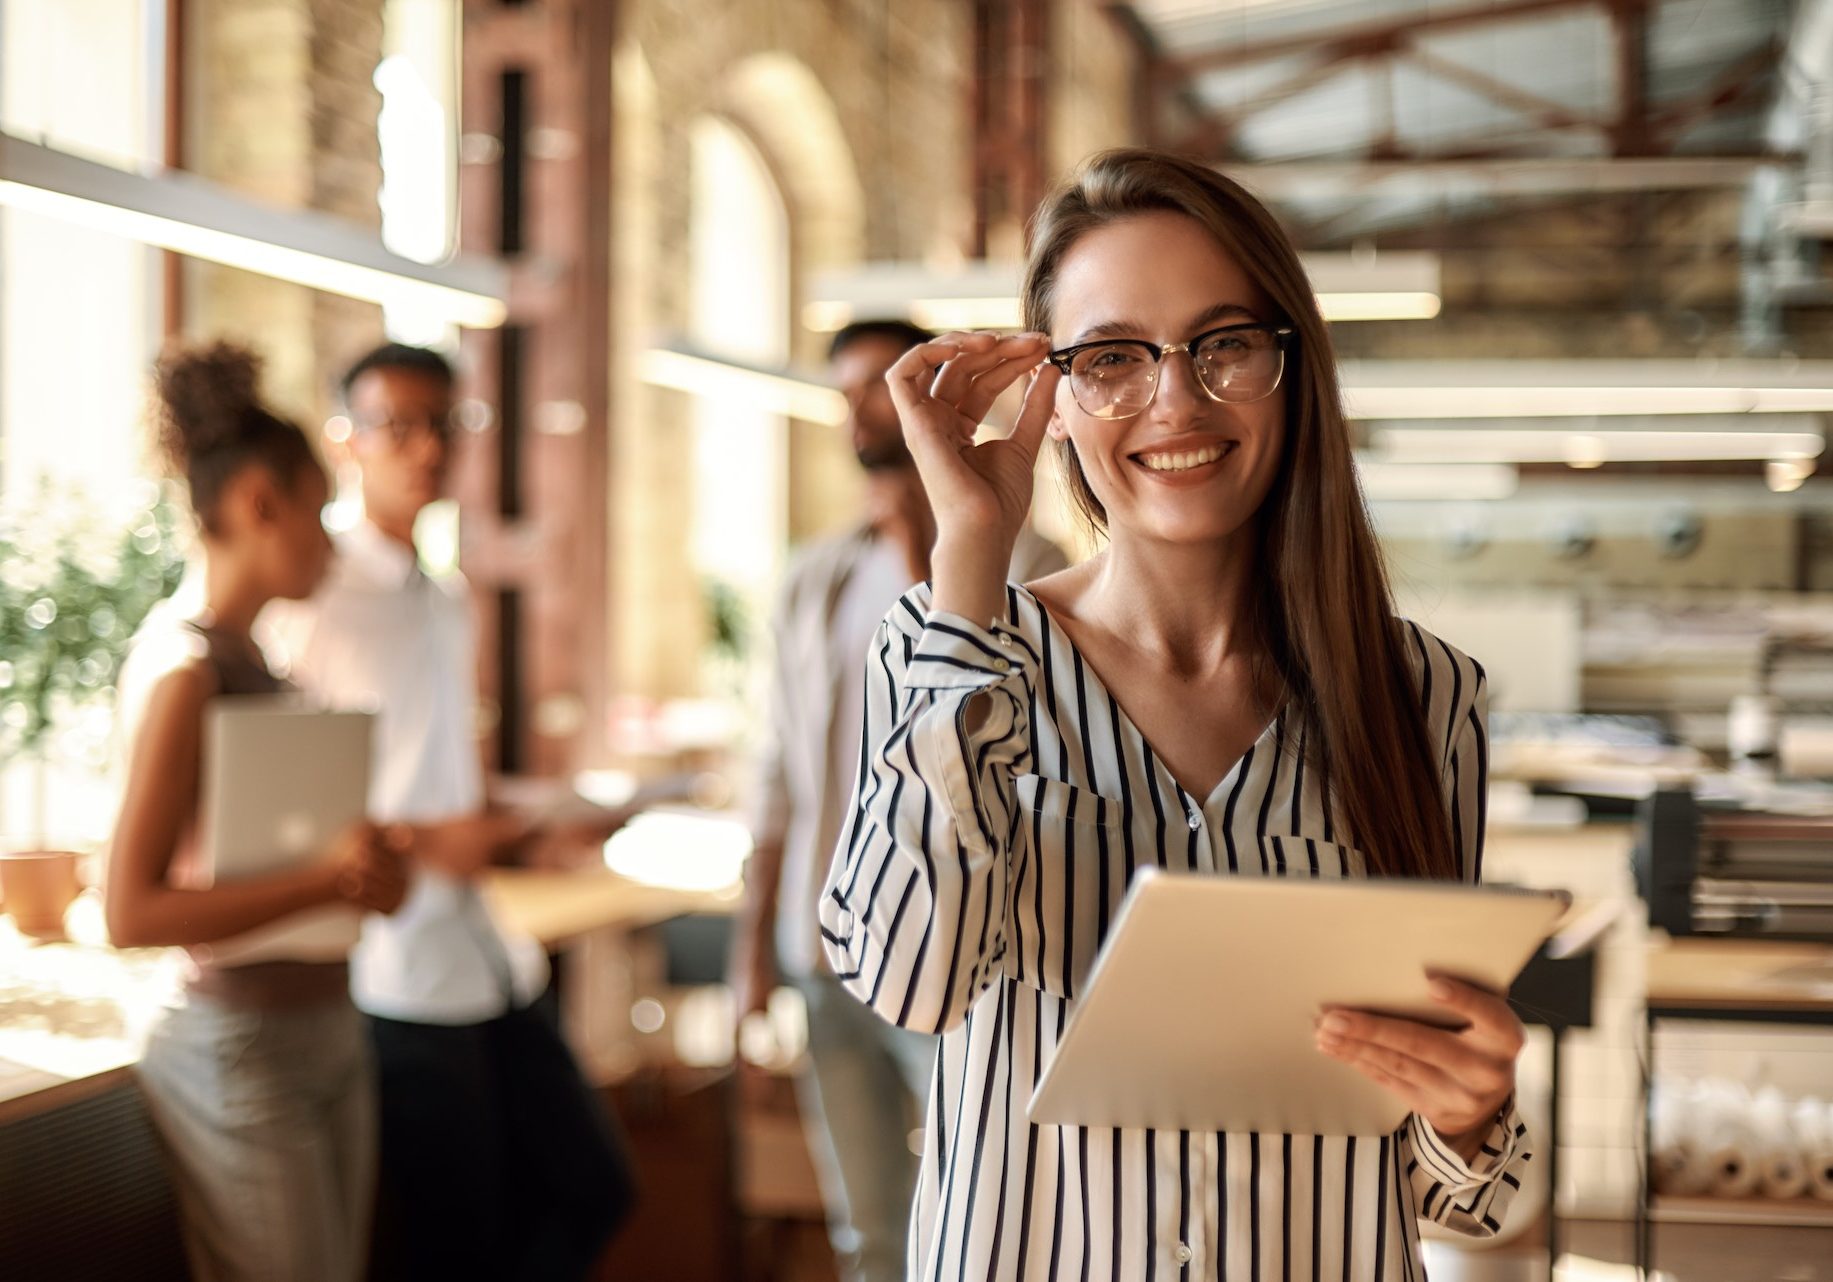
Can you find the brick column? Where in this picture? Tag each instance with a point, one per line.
(282, 107)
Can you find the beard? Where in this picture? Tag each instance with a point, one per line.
(884, 455)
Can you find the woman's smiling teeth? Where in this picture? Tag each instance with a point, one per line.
(1184, 460)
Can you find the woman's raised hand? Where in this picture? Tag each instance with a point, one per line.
(979, 492)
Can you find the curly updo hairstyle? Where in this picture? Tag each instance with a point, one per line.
(212, 424)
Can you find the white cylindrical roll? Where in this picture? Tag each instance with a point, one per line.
(1735, 1165)
(1727, 1139)
(1677, 1162)
(1817, 1124)
(1782, 1169)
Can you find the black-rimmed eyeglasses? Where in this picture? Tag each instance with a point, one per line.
(399, 431)
(1118, 377)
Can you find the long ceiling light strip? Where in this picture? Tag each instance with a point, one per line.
(1591, 448)
(944, 314)
(1579, 402)
(776, 391)
(1533, 389)
(983, 295)
(1388, 480)
(184, 214)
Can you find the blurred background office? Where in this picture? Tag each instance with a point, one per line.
(1572, 252)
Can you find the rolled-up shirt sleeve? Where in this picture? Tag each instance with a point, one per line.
(913, 915)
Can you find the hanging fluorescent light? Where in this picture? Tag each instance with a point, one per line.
(1384, 480)
(1579, 402)
(982, 295)
(1375, 390)
(1785, 475)
(186, 215)
(1397, 305)
(1590, 448)
(944, 314)
(776, 391)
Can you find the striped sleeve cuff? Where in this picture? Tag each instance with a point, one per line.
(955, 653)
(1507, 1135)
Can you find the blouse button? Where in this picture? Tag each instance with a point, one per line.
(1196, 821)
(1001, 664)
(1182, 1253)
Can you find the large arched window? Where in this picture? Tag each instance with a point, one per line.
(739, 309)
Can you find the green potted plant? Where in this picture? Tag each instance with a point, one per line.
(73, 589)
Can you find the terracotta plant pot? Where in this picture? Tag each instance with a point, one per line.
(36, 886)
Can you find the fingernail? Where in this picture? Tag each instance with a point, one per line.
(1440, 990)
(1335, 1025)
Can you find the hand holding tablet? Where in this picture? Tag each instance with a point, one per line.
(1458, 1079)
(1204, 1008)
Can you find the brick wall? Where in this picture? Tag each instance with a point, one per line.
(282, 107)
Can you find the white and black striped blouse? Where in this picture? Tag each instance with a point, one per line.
(970, 891)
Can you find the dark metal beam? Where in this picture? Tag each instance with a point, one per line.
(1730, 87)
(1543, 112)
(1631, 135)
(1217, 130)
(1007, 112)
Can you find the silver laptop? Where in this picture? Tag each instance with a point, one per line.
(281, 780)
(1198, 1011)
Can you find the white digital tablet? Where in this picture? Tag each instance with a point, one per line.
(280, 780)
(1198, 1013)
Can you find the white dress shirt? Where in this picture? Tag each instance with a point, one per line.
(383, 637)
(809, 761)
(969, 894)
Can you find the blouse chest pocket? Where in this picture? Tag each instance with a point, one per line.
(1069, 860)
(1312, 857)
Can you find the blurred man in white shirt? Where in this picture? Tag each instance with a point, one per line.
(498, 1159)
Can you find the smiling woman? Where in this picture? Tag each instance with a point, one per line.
(1223, 684)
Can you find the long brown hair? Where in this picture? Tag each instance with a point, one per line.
(1324, 613)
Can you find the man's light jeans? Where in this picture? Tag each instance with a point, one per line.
(866, 1093)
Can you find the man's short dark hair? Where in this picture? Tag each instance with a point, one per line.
(420, 360)
(901, 332)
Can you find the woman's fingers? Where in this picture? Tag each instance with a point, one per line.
(915, 371)
(992, 383)
(1034, 414)
(1449, 1079)
(959, 377)
(1446, 1051)
(1429, 1079)
(1493, 1024)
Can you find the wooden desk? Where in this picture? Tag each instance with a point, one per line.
(70, 1003)
(73, 1124)
(555, 906)
(1725, 978)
